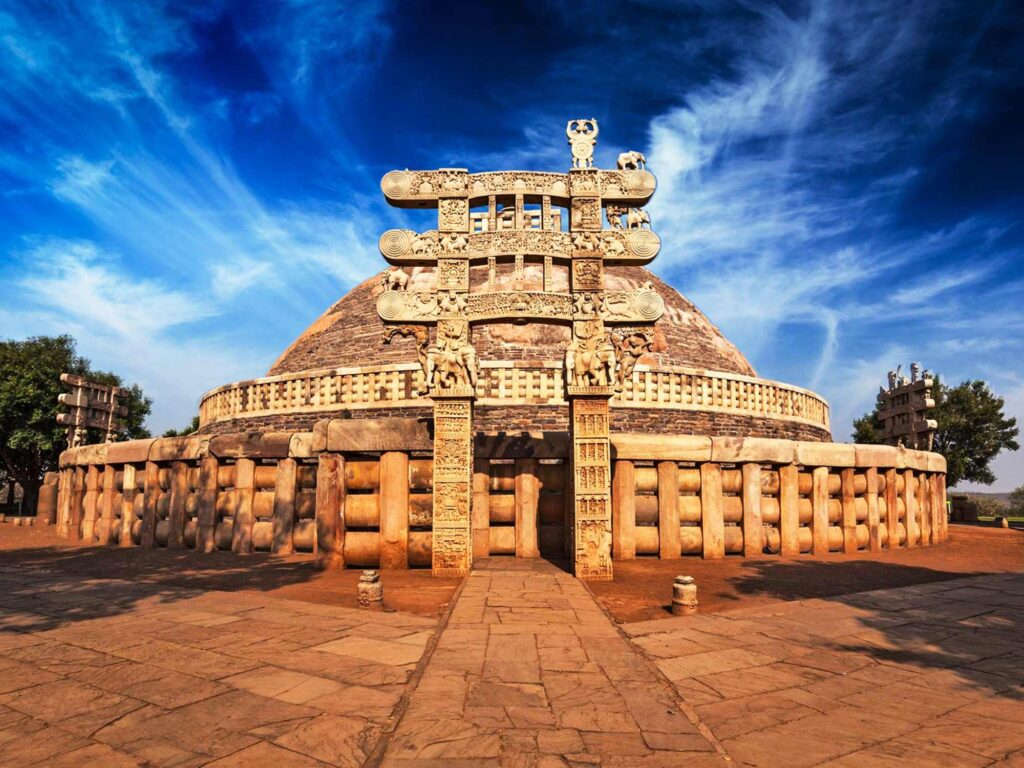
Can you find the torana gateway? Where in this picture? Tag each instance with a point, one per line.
(517, 383)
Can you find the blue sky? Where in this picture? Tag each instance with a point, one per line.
(185, 186)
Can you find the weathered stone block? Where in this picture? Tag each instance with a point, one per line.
(883, 456)
(379, 435)
(826, 454)
(760, 449)
(662, 447)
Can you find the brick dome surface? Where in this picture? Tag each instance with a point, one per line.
(349, 332)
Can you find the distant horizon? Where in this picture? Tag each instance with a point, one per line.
(840, 189)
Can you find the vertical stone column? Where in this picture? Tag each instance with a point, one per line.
(92, 490)
(107, 509)
(330, 506)
(753, 527)
(891, 511)
(871, 498)
(241, 532)
(910, 504)
(624, 510)
(589, 424)
(789, 510)
(128, 491)
(151, 495)
(849, 511)
(394, 510)
(545, 214)
(819, 511)
(207, 523)
(64, 501)
(712, 520)
(453, 463)
(77, 504)
(284, 507)
(669, 545)
(527, 500)
(176, 514)
(924, 509)
(481, 509)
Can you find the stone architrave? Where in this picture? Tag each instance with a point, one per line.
(591, 474)
(453, 477)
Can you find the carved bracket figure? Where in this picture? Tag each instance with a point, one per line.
(418, 332)
(451, 361)
(636, 218)
(630, 345)
(394, 280)
(632, 161)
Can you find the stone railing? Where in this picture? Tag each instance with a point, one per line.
(511, 383)
(671, 495)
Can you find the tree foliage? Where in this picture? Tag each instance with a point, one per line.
(31, 440)
(1017, 501)
(972, 430)
(188, 430)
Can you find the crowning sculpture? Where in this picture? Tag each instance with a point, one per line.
(598, 359)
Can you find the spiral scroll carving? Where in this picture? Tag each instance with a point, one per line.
(390, 305)
(640, 183)
(396, 243)
(396, 184)
(649, 305)
(643, 243)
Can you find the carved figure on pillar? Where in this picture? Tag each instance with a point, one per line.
(590, 357)
(451, 362)
(630, 345)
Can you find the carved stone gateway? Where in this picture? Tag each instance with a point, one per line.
(610, 330)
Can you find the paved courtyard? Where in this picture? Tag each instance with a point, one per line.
(524, 669)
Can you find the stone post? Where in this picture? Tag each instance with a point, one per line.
(128, 491)
(712, 522)
(871, 498)
(909, 503)
(330, 506)
(753, 528)
(669, 545)
(151, 495)
(107, 509)
(394, 510)
(891, 511)
(453, 463)
(176, 513)
(92, 486)
(789, 510)
(527, 500)
(207, 523)
(819, 514)
(849, 511)
(284, 507)
(241, 533)
(624, 510)
(591, 472)
(924, 509)
(481, 512)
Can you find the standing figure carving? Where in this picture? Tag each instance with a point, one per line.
(451, 361)
(630, 345)
(590, 357)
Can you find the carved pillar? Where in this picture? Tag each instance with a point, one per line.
(789, 510)
(591, 471)
(712, 519)
(453, 463)
(909, 504)
(520, 213)
(871, 498)
(107, 509)
(394, 510)
(176, 511)
(753, 528)
(481, 513)
(284, 507)
(819, 511)
(545, 212)
(891, 512)
(624, 510)
(492, 213)
(151, 495)
(92, 490)
(330, 505)
(241, 533)
(924, 510)
(205, 540)
(549, 273)
(527, 500)
(128, 491)
(849, 511)
(669, 545)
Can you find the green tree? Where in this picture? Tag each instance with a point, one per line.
(1017, 501)
(31, 440)
(972, 430)
(193, 426)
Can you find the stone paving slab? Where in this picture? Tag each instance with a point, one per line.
(530, 671)
(927, 675)
(116, 673)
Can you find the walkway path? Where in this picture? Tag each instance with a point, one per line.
(529, 671)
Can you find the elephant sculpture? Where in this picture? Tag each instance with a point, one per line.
(632, 161)
(394, 280)
(636, 218)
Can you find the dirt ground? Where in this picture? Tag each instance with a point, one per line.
(291, 577)
(642, 588)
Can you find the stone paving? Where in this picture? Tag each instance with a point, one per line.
(527, 670)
